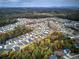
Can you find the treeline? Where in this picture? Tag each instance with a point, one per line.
(42, 49)
(71, 16)
(6, 20)
(17, 31)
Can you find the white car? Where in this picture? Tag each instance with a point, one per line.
(1, 47)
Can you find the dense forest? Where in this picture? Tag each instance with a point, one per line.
(68, 13)
(6, 20)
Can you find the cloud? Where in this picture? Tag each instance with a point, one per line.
(36, 3)
(17, 1)
(39, 1)
(9, 0)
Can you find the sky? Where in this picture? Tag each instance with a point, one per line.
(39, 3)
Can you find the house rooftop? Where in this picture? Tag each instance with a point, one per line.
(53, 57)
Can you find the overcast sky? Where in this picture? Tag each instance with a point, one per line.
(38, 3)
